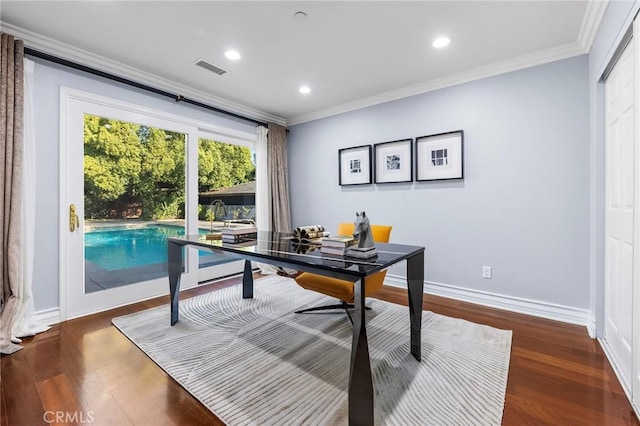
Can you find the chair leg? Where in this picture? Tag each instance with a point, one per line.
(350, 306)
(344, 305)
(322, 308)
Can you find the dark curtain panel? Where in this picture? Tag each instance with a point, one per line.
(278, 178)
(11, 156)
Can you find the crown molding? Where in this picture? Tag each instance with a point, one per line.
(514, 64)
(71, 53)
(591, 22)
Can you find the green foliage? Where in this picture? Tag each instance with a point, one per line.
(127, 164)
(166, 210)
(111, 157)
(204, 213)
(222, 165)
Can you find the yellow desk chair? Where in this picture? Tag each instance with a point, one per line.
(342, 289)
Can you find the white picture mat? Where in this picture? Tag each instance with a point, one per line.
(452, 143)
(346, 156)
(403, 151)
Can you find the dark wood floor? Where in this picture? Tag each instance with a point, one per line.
(557, 375)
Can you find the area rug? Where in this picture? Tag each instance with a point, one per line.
(253, 361)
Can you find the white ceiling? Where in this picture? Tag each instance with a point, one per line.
(351, 54)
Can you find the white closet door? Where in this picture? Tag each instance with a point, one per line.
(619, 215)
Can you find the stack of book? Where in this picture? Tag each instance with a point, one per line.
(361, 252)
(311, 234)
(336, 246)
(239, 234)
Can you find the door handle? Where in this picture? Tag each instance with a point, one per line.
(74, 221)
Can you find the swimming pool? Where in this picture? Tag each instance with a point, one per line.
(115, 248)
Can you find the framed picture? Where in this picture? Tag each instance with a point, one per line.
(354, 165)
(439, 157)
(394, 161)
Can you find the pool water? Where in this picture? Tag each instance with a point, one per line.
(116, 248)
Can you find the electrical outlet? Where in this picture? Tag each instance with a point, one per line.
(486, 272)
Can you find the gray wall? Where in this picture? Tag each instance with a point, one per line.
(614, 24)
(523, 206)
(48, 78)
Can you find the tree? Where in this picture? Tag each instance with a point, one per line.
(128, 164)
(161, 182)
(222, 165)
(112, 154)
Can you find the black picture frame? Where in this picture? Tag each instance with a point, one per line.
(354, 165)
(393, 161)
(440, 156)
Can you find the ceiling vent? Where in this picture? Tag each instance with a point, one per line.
(213, 68)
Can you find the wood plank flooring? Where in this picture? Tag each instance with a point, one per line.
(85, 370)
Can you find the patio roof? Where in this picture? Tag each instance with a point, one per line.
(247, 188)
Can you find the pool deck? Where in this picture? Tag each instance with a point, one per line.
(98, 279)
(91, 224)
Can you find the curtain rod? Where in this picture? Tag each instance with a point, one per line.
(177, 98)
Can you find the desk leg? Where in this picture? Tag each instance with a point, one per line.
(360, 381)
(174, 263)
(247, 281)
(415, 282)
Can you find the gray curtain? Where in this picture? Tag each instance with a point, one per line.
(11, 156)
(278, 178)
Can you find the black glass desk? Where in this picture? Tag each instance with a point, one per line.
(278, 249)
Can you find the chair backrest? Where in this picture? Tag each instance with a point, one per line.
(346, 228)
(381, 233)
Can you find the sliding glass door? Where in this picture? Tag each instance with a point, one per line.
(226, 194)
(132, 177)
(134, 198)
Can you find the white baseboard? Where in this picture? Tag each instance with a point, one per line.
(48, 316)
(535, 308)
(591, 327)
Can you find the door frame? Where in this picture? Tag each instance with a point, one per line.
(635, 289)
(75, 103)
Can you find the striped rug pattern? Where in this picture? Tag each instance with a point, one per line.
(253, 361)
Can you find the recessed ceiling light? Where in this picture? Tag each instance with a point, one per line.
(234, 55)
(304, 89)
(441, 42)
